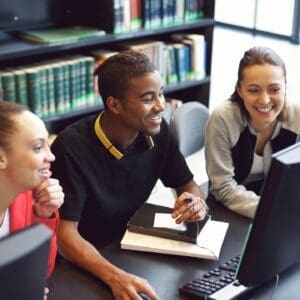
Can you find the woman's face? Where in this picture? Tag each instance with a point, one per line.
(29, 156)
(263, 91)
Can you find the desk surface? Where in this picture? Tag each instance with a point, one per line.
(166, 273)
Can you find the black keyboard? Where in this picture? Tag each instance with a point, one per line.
(217, 284)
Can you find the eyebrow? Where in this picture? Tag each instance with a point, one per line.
(151, 92)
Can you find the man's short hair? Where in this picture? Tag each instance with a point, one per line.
(116, 72)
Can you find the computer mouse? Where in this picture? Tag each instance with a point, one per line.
(143, 296)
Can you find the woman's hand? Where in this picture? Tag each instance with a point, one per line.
(48, 197)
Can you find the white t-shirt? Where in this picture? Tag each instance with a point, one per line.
(4, 228)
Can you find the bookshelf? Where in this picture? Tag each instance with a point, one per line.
(50, 13)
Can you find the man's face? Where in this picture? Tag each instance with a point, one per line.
(142, 104)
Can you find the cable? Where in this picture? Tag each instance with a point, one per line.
(275, 287)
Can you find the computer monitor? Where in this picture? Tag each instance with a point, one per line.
(273, 242)
(23, 263)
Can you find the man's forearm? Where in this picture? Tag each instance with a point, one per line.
(82, 253)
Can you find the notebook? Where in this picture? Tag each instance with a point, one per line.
(143, 221)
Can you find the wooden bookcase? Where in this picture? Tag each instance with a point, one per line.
(41, 13)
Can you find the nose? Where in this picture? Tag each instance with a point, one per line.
(49, 155)
(160, 103)
(264, 98)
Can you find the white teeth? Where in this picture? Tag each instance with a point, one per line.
(44, 172)
(156, 117)
(264, 110)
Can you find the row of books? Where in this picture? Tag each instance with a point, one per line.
(51, 87)
(62, 85)
(119, 16)
(181, 59)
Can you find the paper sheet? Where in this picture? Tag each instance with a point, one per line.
(164, 220)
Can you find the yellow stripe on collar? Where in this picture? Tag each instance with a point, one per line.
(107, 143)
(104, 140)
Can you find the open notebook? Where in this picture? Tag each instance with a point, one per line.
(209, 242)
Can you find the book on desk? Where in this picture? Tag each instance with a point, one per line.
(141, 235)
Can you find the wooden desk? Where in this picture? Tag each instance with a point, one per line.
(166, 273)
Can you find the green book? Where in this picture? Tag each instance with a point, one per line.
(89, 80)
(72, 83)
(67, 95)
(9, 85)
(61, 35)
(50, 89)
(44, 95)
(33, 78)
(21, 87)
(59, 87)
(1, 90)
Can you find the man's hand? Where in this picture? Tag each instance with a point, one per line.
(48, 197)
(189, 208)
(125, 286)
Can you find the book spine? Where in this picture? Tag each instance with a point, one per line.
(146, 13)
(50, 90)
(44, 96)
(179, 12)
(164, 13)
(89, 79)
(127, 18)
(82, 80)
(172, 74)
(180, 62)
(155, 14)
(121, 15)
(135, 15)
(21, 87)
(200, 9)
(9, 86)
(67, 96)
(59, 87)
(1, 89)
(72, 71)
(34, 91)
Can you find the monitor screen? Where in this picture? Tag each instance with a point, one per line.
(273, 242)
(24, 262)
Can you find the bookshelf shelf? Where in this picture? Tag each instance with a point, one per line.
(16, 52)
(14, 48)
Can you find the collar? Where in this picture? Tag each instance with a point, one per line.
(108, 144)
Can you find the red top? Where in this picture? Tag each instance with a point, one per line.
(21, 215)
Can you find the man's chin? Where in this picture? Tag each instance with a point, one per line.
(153, 132)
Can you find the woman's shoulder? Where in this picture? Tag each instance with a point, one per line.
(293, 115)
(228, 111)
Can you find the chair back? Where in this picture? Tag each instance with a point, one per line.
(188, 123)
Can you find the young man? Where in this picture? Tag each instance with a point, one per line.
(108, 165)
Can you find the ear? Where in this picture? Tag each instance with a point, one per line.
(3, 159)
(113, 104)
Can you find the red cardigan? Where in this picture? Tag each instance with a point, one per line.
(21, 216)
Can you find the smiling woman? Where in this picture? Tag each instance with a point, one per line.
(28, 193)
(242, 133)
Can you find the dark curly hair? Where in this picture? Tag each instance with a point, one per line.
(116, 72)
